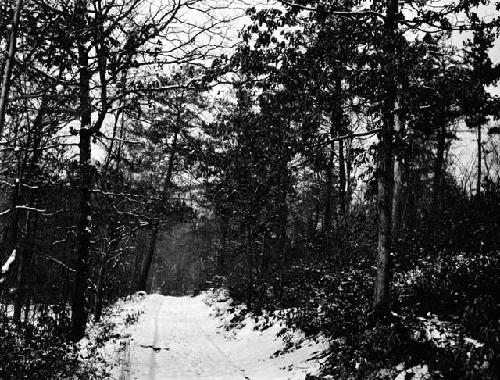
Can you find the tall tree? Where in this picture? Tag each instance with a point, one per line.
(79, 310)
(385, 171)
(6, 79)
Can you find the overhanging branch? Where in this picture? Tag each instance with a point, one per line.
(362, 13)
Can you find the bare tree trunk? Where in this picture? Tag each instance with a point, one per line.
(12, 244)
(439, 166)
(399, 186)
(19, 296)
(479, 158)
(4, 97)
(98, 305)
(283, 217)
(385, 171)
(79, 312)
(327, 220)
(32, 223)
(342, 179)
(27, 306)
(348, 176)
(13, 230)
(383, 279)
(316, 214)
(407, 209)
(149, 256)
(336, 130)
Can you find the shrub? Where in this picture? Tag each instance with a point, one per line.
(38, 350)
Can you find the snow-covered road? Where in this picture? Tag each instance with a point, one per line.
(177, 338)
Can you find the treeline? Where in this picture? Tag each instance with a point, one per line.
(320, 146)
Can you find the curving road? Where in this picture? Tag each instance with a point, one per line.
(176, 338)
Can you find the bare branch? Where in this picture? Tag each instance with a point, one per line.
(362, 13)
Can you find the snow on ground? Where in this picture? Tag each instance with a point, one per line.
(106, 347)
(197, 337)
(419, 372)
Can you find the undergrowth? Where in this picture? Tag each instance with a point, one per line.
(39, 350)
(445, 315)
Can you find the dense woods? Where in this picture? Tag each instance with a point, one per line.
(300, 154)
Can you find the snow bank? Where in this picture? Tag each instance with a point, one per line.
(277, 351)
(105, 346)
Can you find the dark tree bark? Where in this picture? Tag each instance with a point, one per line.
(439, 165)
(385, 171)
(316, 214)
(399, 185)
(348, 176)
(342, 179)
(12, 245)
(327, 220)
(4, 95)
(383, 279)
(479, 158)
(79, 311)
(338, 129)
(149, 256)
(282, 216)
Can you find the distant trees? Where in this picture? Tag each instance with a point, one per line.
(172, 150)
(477, 104)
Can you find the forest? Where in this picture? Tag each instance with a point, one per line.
(301, 154)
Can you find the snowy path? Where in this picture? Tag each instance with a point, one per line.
(176, 338)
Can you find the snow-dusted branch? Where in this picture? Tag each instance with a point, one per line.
(53, 259)
(6, 266)
(24, 207)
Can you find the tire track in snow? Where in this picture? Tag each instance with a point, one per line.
(222, 353)
(178, 338)
(191, 352)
